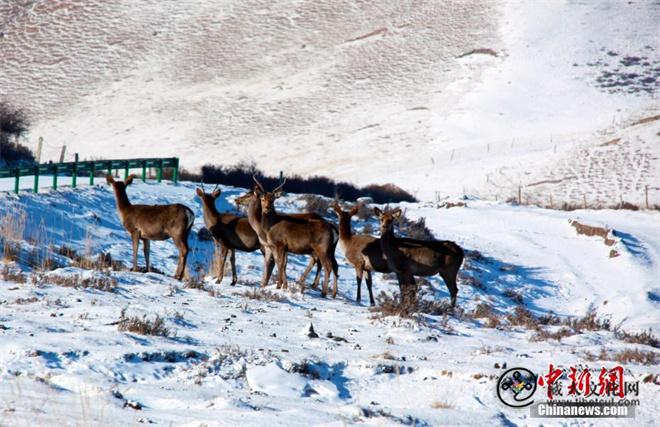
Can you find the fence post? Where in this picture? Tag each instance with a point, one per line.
(91, 173)
(125, 170)
(35, 189)
(175, 171)
(144, 171)
(74, 177)
(519, 195)
(55, 176)
(17, 176)
(646, 195)
(160, 170)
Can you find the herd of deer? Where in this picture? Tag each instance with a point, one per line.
(277, 235)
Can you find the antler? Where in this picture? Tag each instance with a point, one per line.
(261, 187)
(279, 187)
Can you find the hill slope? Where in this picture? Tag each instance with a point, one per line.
(230, 358)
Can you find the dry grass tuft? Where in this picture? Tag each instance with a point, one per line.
(263, 295)
(142, 325)
(641, 357)
(441, 404)
(101, 283)
(644, 337)
(590, 230)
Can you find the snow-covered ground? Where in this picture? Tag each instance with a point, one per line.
(364, 92)
(232, 359)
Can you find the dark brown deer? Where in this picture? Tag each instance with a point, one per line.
(361, 250)
(153, 222)
(251, 201)
(410, 257)
(285, 234)
(230, 233)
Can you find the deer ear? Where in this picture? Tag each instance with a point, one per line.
(129, 180)
(109, 179)
(378, 212)
(354, 210)
(277, 194)
(256, 190)
(199, 192)
(216, 193)
(336, 207)
(396, 213)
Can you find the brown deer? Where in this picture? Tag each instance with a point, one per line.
(286, 234)
(251, 201)
(410, 257)
(153, 222)
(230, 232)
(361, 250)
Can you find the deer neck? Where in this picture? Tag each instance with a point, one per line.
(123, 204)
(268, 220)
(211, 213)
(345, 232)
(387, 240)
(254, 218)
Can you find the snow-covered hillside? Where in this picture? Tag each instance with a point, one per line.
(229, 358)
(416, 94)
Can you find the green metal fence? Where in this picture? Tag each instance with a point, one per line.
(90, 169)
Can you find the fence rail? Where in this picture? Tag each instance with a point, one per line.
(89, 169)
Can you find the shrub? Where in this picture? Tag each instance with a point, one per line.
(142, 325)
(240, 175)
(13, 124)
(317, 204)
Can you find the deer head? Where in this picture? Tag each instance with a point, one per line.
(208, 198)
(267, 198)
(119, 185)
(345, 215)
(387, 219)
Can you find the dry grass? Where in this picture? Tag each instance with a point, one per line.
(12, 231)
(142, 325)
(16, 276)
(263, 295)
(449, 205)
(590, 230)
(644, 337)
(317, 204)
(441, 404)
(485, 311)
(544, 334)
(641, 357)
(101, 283)
(514, 296)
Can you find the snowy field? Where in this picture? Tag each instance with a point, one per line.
(231, 359)
(516, 92)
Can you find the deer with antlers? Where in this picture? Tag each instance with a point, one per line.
(283, 234)
(251, 202)
(361, 250)
(153, 222)
(410, 257)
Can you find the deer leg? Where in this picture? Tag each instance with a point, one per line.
(450, 282)
(371, 294)
(327, 266)
(268, 266)
(303, 278)
(145, 246)
(221, 263)
(359, 271)
(279, 260)
(135, 236)
(182, 244)
(285, 260)
(317, 278)
(335, 275)
(232, 259)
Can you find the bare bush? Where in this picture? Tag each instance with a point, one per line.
(142, 325)
(262, 295)
(643, 337)
(14, 123)
(544, 335)
(316, 204)
(642, 357)
(102, 283)
(513, 296)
